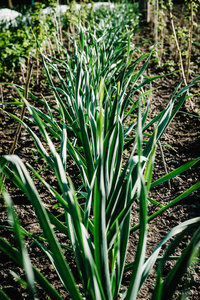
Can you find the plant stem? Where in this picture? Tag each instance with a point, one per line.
(177, 44)
(164, 163)
(190, 42)
(181, 23)
(156, 21)
(60, 27)
(179, 50)
(162, 32)
(37, 58)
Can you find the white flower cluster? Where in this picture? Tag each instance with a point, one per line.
(9, 15)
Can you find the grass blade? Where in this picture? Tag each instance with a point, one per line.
(14, 254)
(3, 295)
(176, 172)
(64, 271)
(141, 247)
(26, 263)
(165, 290)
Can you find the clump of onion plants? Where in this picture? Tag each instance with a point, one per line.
(101, 89)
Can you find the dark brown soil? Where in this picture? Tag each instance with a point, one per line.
(183, 137)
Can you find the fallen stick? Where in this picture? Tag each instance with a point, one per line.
(16, 137)
(12, 150)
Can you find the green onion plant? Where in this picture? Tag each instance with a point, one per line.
(102, 102)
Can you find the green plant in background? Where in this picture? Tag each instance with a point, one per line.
(193, 7)
(14, 46)
(18, 43)
(181, 39)
(102, 105)
(184, 29)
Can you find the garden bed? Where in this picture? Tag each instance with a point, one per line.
(183, 144)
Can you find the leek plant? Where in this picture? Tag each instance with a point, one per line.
(102, 105)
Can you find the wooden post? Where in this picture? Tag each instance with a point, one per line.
(145, 12)
(10, 5)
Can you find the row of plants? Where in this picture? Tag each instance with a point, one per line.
(102, 104)
(21, 42)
